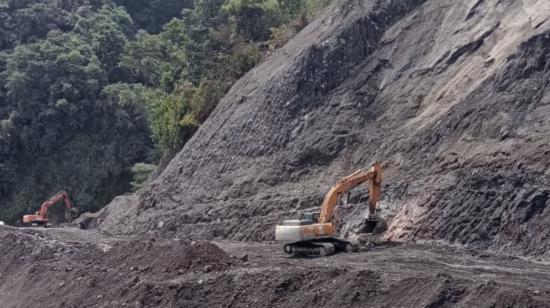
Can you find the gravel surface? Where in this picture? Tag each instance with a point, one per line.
(75, 268)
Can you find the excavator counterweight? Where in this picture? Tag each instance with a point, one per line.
(314, 233)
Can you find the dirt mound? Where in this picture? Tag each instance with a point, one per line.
(386, 276)
(109, 218)
(451, 95)
(37, 268)
(357, 288)
(76, 268)
(166, 256)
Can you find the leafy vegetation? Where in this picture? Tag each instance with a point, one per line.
(89, 88)
(141, 172)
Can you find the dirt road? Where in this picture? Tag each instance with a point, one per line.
(398, 261)
(76, 268)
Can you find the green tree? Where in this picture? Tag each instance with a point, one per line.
(170, 120)
(64, 127)
(152, 15)
(141, 173)
(84, 94)
(157, 60)
(253, 19)
(107, 30)
(201, 50)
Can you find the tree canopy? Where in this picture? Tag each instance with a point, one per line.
(90, 88)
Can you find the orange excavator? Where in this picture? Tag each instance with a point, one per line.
(314, 233)
(41, 217)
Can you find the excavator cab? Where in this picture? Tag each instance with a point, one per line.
(305, 219)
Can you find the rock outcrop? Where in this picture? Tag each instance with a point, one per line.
(452, 96)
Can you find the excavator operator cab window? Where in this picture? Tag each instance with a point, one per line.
(312, 217)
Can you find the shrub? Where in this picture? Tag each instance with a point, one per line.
(140, 175)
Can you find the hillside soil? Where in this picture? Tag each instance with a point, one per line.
(81, 268)
(452, 96)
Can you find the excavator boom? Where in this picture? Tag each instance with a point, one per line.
(62, 195)
(372, 175)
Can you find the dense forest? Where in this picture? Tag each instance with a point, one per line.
(93, 93)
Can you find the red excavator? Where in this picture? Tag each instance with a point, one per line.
(41, 217)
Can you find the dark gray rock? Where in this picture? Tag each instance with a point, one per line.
(451, 95)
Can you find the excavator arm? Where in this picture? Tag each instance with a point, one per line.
(372, 175)
(62, 195)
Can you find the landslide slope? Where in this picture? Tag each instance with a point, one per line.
(451, 95)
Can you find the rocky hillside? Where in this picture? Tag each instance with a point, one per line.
(451, 95)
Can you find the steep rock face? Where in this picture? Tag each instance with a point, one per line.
(451, 95)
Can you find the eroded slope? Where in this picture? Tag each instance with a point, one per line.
(452, 96)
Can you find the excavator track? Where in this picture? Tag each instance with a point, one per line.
(310, 250)
(319, 248)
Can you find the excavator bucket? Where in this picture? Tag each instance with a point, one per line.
(374, 225)
(370, 225)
